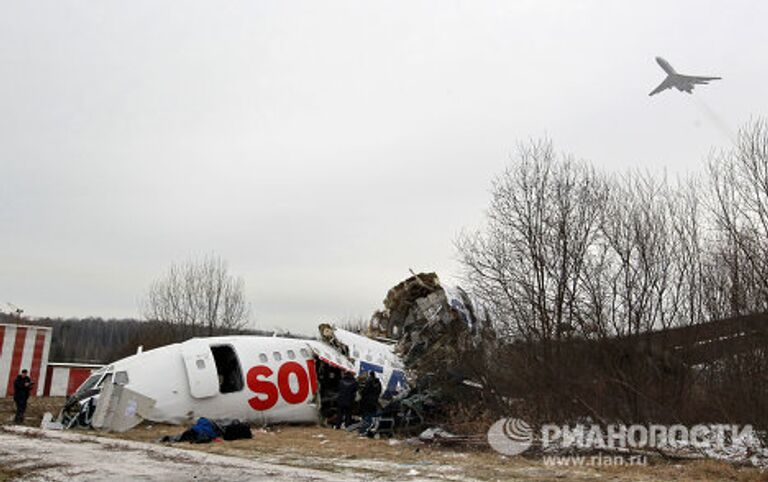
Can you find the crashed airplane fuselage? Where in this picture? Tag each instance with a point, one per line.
(250, 378)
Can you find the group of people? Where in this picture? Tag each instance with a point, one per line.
(22, 386)
(369, 389)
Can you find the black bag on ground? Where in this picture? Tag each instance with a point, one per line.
(237, 430)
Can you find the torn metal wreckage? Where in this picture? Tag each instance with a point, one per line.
(267, 380)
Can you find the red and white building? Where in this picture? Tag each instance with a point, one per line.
(26, 346)
(62, 379)
(23, 346)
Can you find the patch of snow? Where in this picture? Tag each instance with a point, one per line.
(64, 456)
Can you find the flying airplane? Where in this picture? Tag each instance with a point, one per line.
(250, 378)
(683, 83)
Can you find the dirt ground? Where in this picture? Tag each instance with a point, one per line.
(324, 449)
(36, 407)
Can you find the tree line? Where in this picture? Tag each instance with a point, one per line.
(101, 341)
(569, 250)
(571, 258)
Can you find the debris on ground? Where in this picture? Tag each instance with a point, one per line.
(440, 436)
(426, 318)
(48, 422)
(435, 433)
(205, 431)
(292, 453)
(434, 327)
(436, 330)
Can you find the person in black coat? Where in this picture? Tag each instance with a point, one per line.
(22, 385)
(369, 397)
(345, 399)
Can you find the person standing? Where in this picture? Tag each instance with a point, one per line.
(21, 388)
(369, 398)
(345, 400)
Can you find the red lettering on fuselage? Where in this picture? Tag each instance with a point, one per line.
(264, 387)
(312, 375)
(306, 381)
(283, 382)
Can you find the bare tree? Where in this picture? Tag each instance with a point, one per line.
(689, 227)
(198, 297)
(527, 265)
(646, 258)
(739, 180)
(567, 250)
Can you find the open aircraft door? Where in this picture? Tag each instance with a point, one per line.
(201, 368)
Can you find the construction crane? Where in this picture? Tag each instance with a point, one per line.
(15, 310)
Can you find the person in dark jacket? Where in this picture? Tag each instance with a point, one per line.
(369, 397)
(345, 399)
(21, 388)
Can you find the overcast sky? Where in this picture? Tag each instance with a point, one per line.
(324, 148)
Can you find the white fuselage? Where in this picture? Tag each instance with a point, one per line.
(268, 379)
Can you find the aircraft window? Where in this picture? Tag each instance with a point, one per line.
(356, 354)
(92, 383)
(304, 353)
(368, 357)
(228, 369)
(121, 378)
(200, 364)
(276, 355)
(291, 355)
(263, 357)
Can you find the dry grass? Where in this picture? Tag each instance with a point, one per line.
(36, 407)
(10, 473)
(22, 470)
(333, 450)
(306, 446)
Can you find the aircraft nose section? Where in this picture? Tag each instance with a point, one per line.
(665, 66)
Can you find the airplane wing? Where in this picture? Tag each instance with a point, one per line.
(667, 84)
(699, 80)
